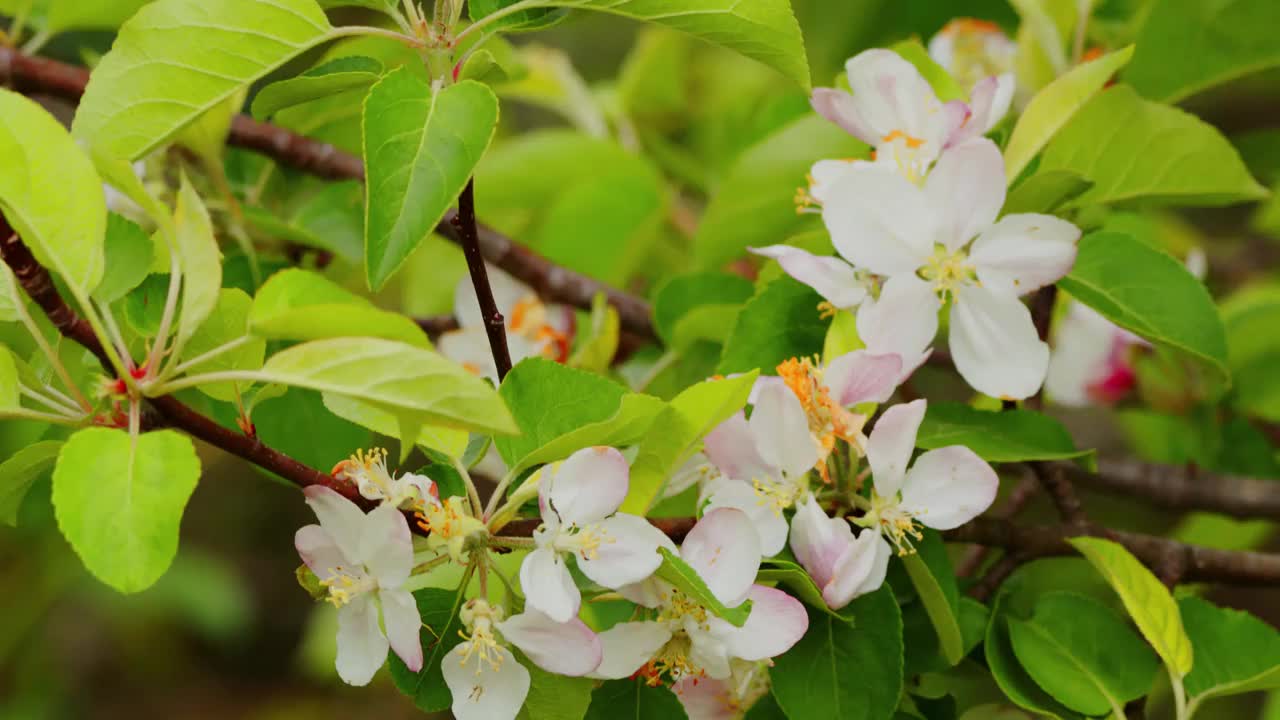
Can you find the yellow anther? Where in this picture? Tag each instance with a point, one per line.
(948, 271)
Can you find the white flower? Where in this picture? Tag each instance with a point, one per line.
(973, 50)
(697, 470)
(728, 699)
(943, 489)
(482, 674)
(369, 472)
(684, 639)
(363, 560)
(1091, 360)
(842, 566)
(534, 329)
(942, 241)
(578, 499)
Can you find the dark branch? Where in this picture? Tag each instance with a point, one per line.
(1054, 479)
(495, 326)
(436, 325)
(1182, 488)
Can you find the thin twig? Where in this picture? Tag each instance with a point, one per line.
(1018, 499)
(495, 325)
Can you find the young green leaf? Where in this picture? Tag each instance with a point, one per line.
(1045, 192)
(685, 579)
(228, 322)
(683, 295)
(353, 72)
(782, 321)
(1249, 316)
(633, 698)
(420, 149)
(19, 471)
(119, 501)
(446, 440)
(595, 353)
(64, 15)
(945, 86)
(1144, 290)
(558, 697)
(176, 59)
(1235, 651)
(1053, 106)
(935, 582)
(1008, 672)
(440, 625)
(1010, 436)
(127, 259)
(51, 194)
(10, 393)
(299, 304)
(785, 571)
(199, 259)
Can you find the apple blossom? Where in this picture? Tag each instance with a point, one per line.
(450, 524)
(942, 242)
(369, 472)
(534, 329)
(1091, 360)
(842, 566)
(728, 699)
(578, 499)
(683, 639)
(363, 561)
(974, 51)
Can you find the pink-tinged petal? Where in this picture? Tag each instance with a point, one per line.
(902, 321)
(548, 585)
(565, 648)
(707, 699)
(995, 345)
(777, 621)
(362, 648)
(732, 449)
(780, 430)
(862, 376)
(386, 547)
(770, 525)
(990, 100)
(339, 517)
(628, 646)
(1025, 252)
(860, 570)
(1083, 342)
(590, 485)
(481, 692)
(319, 551)
(818, 541)
(725, 552)
(967, 186)
(948, 487)
(879, 221)
(404, 625)
(469, 348)
(628, 551)
(890, 445)
(957, 116)
(890, 94)
(839, 107)
(834, 279)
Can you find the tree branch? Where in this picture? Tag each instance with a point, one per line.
(41, 75)
(1182, 488)
(495, 326)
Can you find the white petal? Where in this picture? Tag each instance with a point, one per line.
(1025, 252)
(879, 221)
(818, 541)
(902, 321)
(834, 279)
(777, 621)
(628, 554)
(507, 291)
(852, 570)
(839, 107)
(548, 585)
(480, 692)
(948, 487)
(469, 347)
(648, 592)
(708, 646)
(339, 517)
(707, 698)
(362, 648)
(770, 525)
(1082, 345)
(628, 646)
(990, 100)
(995, 345)
(732, 448)
(891, 94)
(942, 48)
(890, 445)
(780, 429)
(862, 376)
(319, 551)
(823, 176)
(967, 188)
(404, 625)
(568, 648)
(881, 554)
(386, 547)
(590, 485)
(724, 550)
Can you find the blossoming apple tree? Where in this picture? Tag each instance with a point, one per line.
(785, 475)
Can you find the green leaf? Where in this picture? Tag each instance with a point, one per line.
(636, 699)
(127, 259)
(1045, 192)
(1143, 290)
(229, 321)
(420, 149)
(1147, 600)
(686, 580)
(1008, 672)
(521, 21)
(1235, 652)
(784, 570)
(935, 582)
(560, 410)
(683, 295)
(1184, 47)
(177, 59)
(596, 352)
(447, 440)
(840, 671)
(1084, 654)
(554, 697)
(1136, 149)
(67, 15)
(297, 423)
(440, 625)
(199, 259)
(299, 304)
(10, 394)
(19, 471)
(779, 323)
(1250, 315)
(677, 433)
(1053, 106)
(1009, 436)
(119, 501)
(51, 194)
(765, 30)
(754, 205)
(401, 379)
(354, 72)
